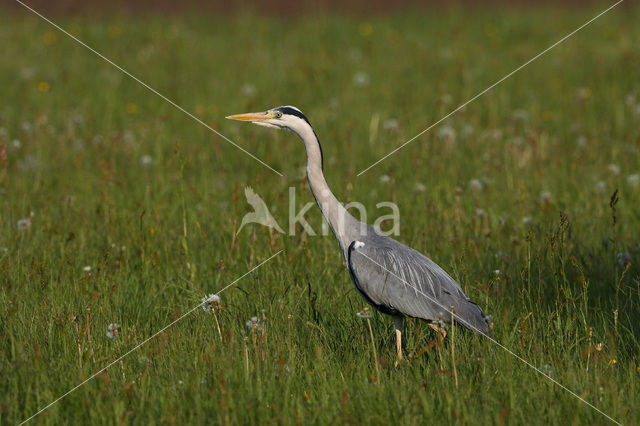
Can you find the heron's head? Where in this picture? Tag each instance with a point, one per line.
(283, 117)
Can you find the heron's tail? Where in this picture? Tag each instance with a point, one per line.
(471, 317)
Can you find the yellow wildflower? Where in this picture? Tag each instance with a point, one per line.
(43, 86)
(114, 31)
(49, 38)
(365, 29)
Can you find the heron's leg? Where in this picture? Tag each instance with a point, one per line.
(397, 323)
(438, 330)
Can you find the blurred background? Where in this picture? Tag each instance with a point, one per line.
(116, 208)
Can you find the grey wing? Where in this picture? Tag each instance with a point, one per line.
(399, 280)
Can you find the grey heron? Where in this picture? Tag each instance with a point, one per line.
(394, 278)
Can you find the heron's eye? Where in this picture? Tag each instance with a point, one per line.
(278, 114)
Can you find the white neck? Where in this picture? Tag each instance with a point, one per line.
(344, 226)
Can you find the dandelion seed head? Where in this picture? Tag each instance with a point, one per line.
(146, 161)
(447, 134)
(113, 331)
(361, 79)
(630, 99)
(614, 169)
(467, 130)
(623, 258)
(210, 302)
(476, 185)
(520, 116)
(248, 89)
(364, 314)
(254, 324)
(390, 124)
(24, 224)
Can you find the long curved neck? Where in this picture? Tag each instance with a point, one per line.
(344, 226)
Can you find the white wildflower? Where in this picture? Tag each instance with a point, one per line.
(633, 180)
(520, 116)
(24, 224)
(447, 134)
(446, 99)
(16, 144)
(146, 161)
(385, 179)
(87, 268)
(526, 220)
(128, 138)
(361, 79)
(496, 272)
(614, 169)
(601, 392)
(545, 197)
(26, 127)
(601, 187)
(248, 89)
(420, 187)
(390, 124)
(480, 212)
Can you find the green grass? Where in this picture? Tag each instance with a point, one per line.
(159, 238)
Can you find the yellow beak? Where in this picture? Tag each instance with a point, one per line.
(251, 116)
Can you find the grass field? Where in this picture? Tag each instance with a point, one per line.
(116, 207)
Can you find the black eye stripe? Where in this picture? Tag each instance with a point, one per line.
(292, 111)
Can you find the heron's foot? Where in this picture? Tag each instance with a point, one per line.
(439, 330)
